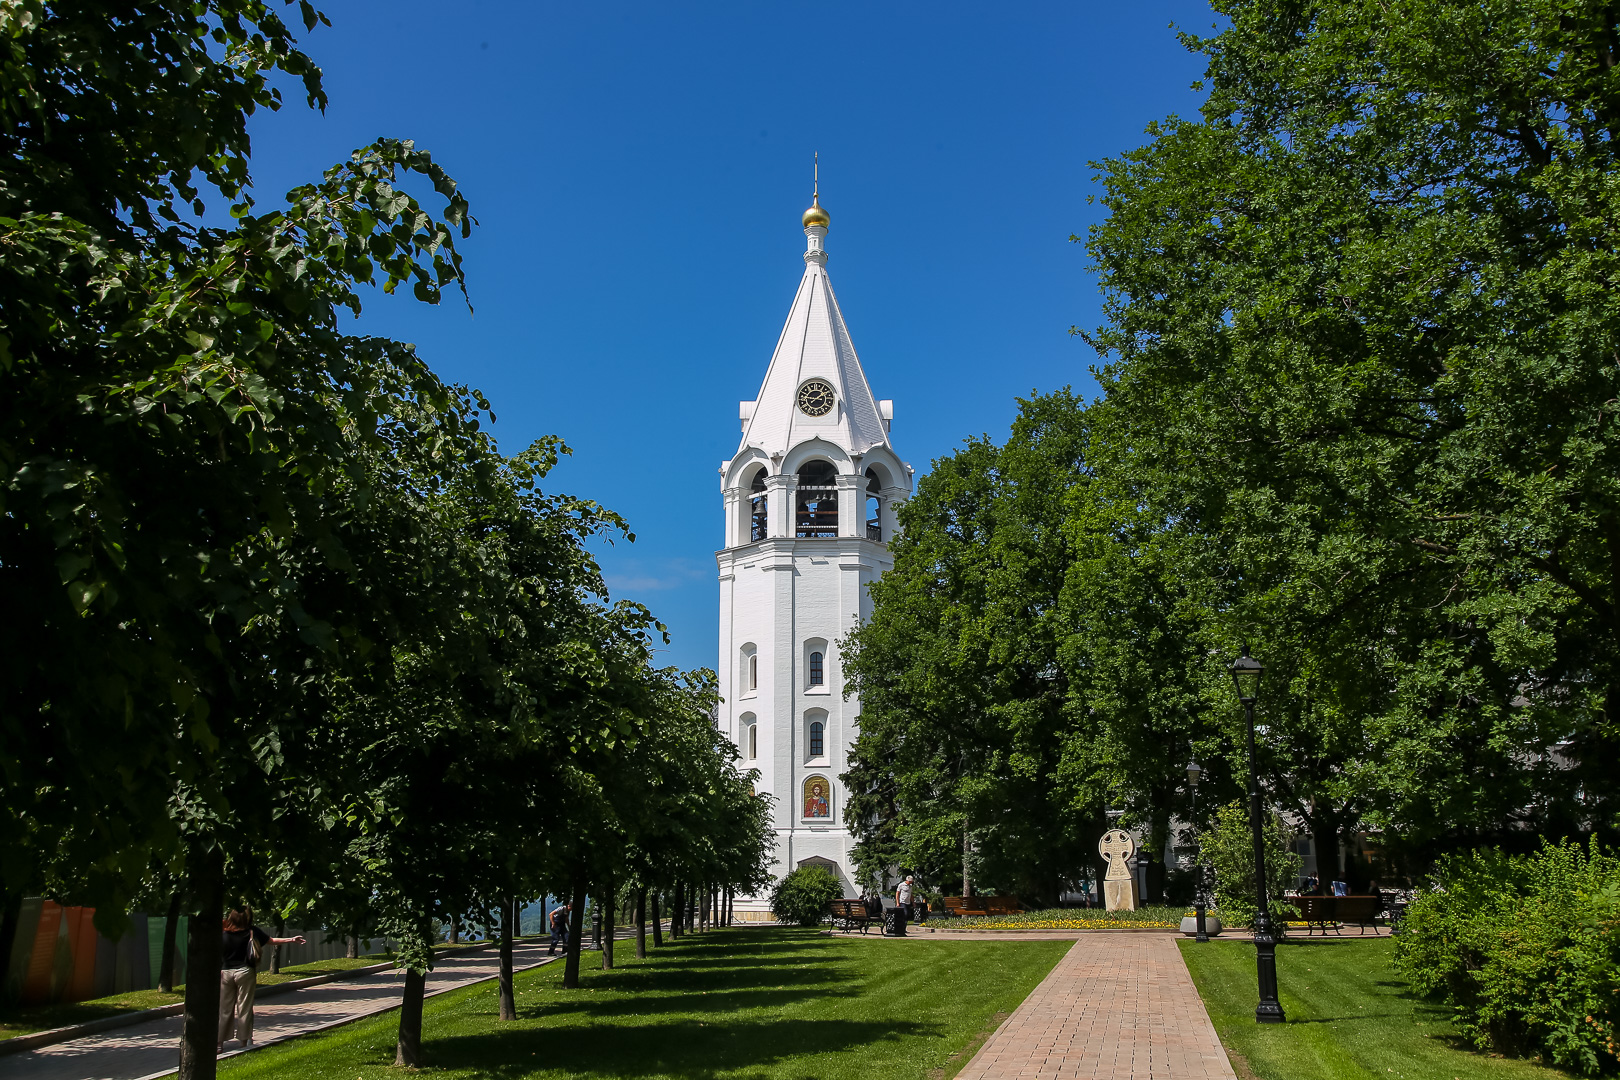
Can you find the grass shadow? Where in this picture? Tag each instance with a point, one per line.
(687, 1048)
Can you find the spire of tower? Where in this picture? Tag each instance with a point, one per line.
(816, 217)
(815, 346)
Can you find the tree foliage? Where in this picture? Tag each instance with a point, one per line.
(282, 620)
(1359, 338)
(1360, 369)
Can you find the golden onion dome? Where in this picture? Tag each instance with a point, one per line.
(816, 215)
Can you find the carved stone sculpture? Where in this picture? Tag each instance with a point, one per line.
(1119, 884)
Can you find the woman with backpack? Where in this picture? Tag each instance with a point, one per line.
(239, 973)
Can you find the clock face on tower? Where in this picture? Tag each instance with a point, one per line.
(816, 398)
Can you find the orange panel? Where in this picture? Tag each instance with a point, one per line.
(82, 940)
(37, 984)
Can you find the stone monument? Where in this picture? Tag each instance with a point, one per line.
(1119, 884)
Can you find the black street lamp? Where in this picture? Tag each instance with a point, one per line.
(1246, 672)
(1193, 774)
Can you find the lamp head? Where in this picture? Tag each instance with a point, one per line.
(1246, 672)
(1194, 772)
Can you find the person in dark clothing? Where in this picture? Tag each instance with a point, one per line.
(559, 928)
(239, 974)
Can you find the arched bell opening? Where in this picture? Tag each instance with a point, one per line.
(874, 507)
(759, 508)
(816, 515)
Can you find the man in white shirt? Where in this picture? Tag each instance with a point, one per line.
(902, 897)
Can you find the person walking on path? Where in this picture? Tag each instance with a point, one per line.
(239, 973)
(559, 928)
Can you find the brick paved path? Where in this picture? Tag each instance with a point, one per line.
(151, 1049)
(1116, 1007)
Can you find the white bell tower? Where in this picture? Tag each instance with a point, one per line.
(810, 499)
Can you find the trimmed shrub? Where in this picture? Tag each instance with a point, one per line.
(1526, 951)
(802, 897)
(1229, 847)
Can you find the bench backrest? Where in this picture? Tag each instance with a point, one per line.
(966, 905)
(1340, 908)
(1359, 908)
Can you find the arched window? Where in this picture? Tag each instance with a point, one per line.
(874, 514)
(817, 514)
(816, 675)
(759, 503)
(817, 748)
(750, 736)
(747, 670)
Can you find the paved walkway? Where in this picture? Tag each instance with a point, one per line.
(150, 1050)
(1116, 1007)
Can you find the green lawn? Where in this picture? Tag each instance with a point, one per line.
(1350, 1017)
(754, 1003)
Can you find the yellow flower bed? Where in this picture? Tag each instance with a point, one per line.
(1154, 918)
(1063, 924)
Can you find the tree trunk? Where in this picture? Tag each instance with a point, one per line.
(508, 1002)
(275, 950)
(967, 882)
(1325, 837)
(677, 909)
(731, 904)
(658, 926)
(408, 1048)
(171, 930)
(353, 951)
(610, 917)
(1154, 866)
(702, 906)
(9, 918)
(199, 1044)
(641, 923)
(576, 930)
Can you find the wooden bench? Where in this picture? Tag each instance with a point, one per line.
(851, 915)
(959, 906)
(1335, 911)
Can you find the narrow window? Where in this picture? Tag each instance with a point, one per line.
(815, 669)
(759, 502)
(815, 740)
(874, 508)
(753, 741)
(753, 672)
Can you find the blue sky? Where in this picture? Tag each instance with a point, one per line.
(638, 171)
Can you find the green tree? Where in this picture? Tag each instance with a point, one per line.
(1229, 849)
(1360, 343)
(964, 705)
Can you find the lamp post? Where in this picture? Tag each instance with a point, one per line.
(1193, 774)
(1246, 672)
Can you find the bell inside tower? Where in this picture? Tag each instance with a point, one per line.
(817, 515)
